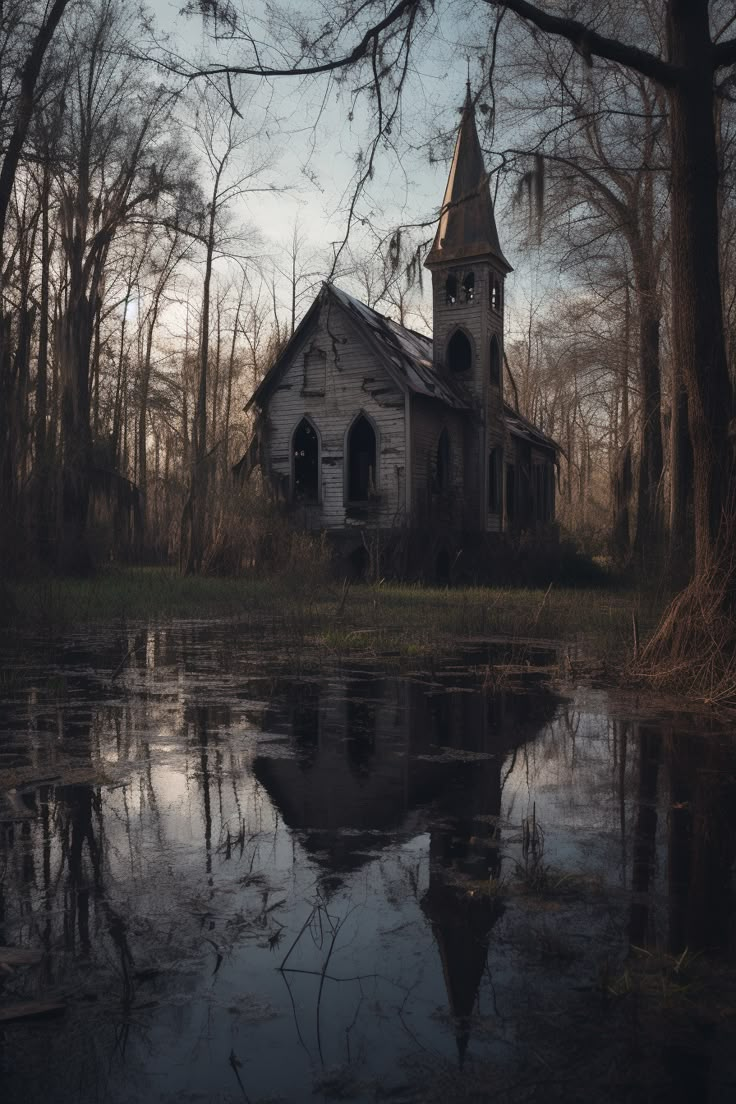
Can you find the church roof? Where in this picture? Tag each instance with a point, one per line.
(408, 352)
(407, 355)
(467, 226)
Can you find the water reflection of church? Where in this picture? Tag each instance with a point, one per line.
(377, 758)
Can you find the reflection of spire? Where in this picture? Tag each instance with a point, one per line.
(359, 765)
(461, 919)
(464, 860)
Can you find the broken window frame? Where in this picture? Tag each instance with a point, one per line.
(371, 483)
(295, 496)
(459, 364)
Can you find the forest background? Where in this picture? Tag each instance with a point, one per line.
(175, 186)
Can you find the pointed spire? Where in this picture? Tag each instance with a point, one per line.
(467, 226)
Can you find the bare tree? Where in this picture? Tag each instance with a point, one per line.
(222, 135)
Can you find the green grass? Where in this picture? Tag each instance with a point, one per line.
(385, 620)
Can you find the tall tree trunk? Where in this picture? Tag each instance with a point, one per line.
(681, 483)
(195, 509)
(142, 436)
(42, 503)
(649, 527)
(698, 338)
(76, 462)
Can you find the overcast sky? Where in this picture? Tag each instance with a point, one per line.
(315, 142)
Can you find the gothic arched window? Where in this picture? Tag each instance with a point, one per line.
(450, 290)
(469, 287)
(495, 294)
(305, 452)
(361, 454)
(459, 353)
(495, 362)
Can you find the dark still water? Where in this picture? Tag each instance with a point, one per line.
(239, 878)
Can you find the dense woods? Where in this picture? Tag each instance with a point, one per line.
(141, 300)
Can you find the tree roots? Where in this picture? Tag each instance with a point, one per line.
(693, 651)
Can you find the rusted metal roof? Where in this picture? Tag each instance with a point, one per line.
(407, 356)
(408, 353)
(520, 426)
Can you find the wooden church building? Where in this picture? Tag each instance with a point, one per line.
(373, 432)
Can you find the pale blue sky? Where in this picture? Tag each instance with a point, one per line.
(315, 142)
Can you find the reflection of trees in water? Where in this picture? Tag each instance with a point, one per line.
(690, 781)
(77, 869)
(645, 834)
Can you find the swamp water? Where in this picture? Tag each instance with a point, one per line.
(240, 876)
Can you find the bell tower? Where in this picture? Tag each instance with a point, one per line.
(468, 275)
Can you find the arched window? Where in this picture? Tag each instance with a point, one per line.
(361, 454)
(305, 451)
(495, 294)
(495, 362)
(450, 290)
(442, 462)
(459, 353)
(469, 287)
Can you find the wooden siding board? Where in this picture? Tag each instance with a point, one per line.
(349, 364)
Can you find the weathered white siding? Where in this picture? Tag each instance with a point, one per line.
(355, 382)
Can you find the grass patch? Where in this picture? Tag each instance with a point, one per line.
(411, 622)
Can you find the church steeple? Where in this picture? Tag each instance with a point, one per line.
(467, 226)
(468, 274)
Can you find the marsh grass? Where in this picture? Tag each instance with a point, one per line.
(386, 620)
(661, 979)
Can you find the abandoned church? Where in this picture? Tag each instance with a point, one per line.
(381, 436)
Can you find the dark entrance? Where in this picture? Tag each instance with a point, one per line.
(459, 353)
(361, 460)
(306, 463)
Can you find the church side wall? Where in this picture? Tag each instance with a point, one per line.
(355, 381)
(433, 505)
